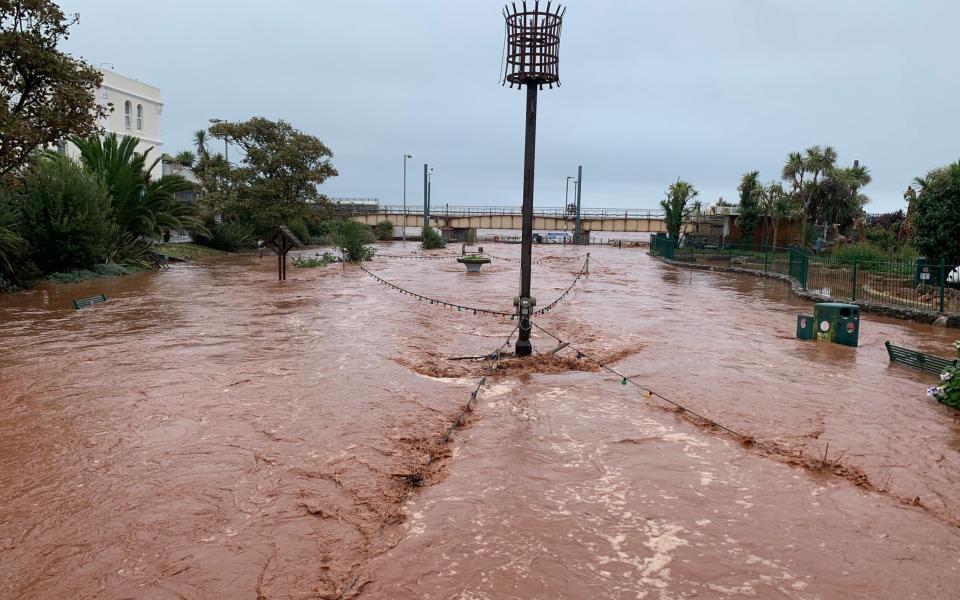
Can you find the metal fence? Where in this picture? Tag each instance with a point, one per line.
(903, 284)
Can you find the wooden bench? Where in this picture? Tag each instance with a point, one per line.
(79, 303)
(918, 360)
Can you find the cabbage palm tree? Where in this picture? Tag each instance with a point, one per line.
(142, 207)
(675, 206)
(803, 171)
(841, 198)
(186, 158)
(780, 205)
(766, 207)
(696, 209)
(200, 141)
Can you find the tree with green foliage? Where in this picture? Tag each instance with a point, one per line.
(804, 172)
(185, 158)
(430, 239)
(142, 207)
(228, 235)
(674, 206)
(45, 95)
(298, 227)
(215, 188)
(840, 200)
(935, 214)
(352, 238)
(384, 230)
(13, 246)
(278, 176)
(750, 192)
(66, 215)
(780, 206)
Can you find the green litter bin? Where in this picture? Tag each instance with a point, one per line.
(805, 327)
(837, 322)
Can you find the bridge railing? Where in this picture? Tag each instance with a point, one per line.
(496, 211)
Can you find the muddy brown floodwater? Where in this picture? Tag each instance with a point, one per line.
(211, 433)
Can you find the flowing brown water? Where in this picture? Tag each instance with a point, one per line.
(211, 433)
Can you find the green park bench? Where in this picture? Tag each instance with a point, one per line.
(918, 360)
(79, 303)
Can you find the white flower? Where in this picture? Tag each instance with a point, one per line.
(932, 392)
(945, 376)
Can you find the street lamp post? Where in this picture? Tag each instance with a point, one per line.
(403, 228)
(226, 148)
(576, 227)
(427, 170)
(532, 60)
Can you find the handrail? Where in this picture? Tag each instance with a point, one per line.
(480, 211)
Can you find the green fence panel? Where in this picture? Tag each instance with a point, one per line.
(799, 265)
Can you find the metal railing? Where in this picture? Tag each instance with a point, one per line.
(894, 283)
(493, 211)
(587, 240)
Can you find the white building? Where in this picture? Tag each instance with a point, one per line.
(137, 108)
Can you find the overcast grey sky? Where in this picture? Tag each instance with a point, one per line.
(651, 91)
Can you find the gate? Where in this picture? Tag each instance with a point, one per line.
(799, 262)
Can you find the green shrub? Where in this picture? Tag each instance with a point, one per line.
(430, 239)
(908, 254)
(474, 258)
(298, 227)
(110, 269)
(384, 230)
(129, 250)
(66, 215)
(948, 392)
(323, 232)
(862, 252)
(352, 239)
(74, 276)
(13, 246)
(881, 238)
(229, 235)
(319, 260)
(936, 215)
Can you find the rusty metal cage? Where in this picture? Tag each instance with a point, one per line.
(532, 52)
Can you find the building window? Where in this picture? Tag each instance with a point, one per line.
(139, 116)
(127, 108)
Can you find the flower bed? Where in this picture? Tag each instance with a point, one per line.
(948, 392)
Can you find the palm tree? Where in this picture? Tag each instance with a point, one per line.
(794, 171)
(186, 158)
(820, 161)
(675, 206)
(141, 207)
(804, 172)
(766, 207)
(842, 200)
(697, 209)
(780, 205)
(12, 244)
(200, 141)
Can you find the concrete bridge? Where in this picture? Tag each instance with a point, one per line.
(507, 217)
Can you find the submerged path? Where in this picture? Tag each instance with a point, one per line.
(209, 432)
